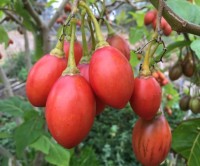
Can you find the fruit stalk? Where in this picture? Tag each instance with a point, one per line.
(71, 66)
(58, 50)
(84, 41)
(110, 29)
(99, 36)
(92, 34)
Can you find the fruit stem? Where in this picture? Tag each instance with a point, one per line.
(92, 34)
(111, 32)
(146, 64)
(84, 41)
(58, 50)
(71, 67)
(99, 36)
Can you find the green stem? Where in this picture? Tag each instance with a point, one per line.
(84, 41)
(92, 34)
(110, 29)
(146, 64)
(58, 50)
(71, 67)
(99, 36)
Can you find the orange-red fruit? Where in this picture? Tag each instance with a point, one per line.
(10, 41)
(119, 43)
(84, 71)
(146, 97)
(151, 140)
(78, 50)
(167, 31)
(149, 17)
(67, 8)
(111, 76)
(42, 77)
(70, 110)
(59, 20)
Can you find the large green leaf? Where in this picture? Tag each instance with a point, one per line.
(4, 36)
(136, 34)
(185, 10)
(28, 132)
(55, 154)
(15, 106)
(134, 60)
(186, 141)
(87, 156)
(195, 46)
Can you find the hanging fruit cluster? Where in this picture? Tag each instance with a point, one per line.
(150, 18)
(187, 102)
(182, 67)
(75, 86)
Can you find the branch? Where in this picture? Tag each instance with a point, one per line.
(33, 13)
(13, 17)
(177, 23)
(57, 13)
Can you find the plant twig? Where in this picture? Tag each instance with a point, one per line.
(177, 23)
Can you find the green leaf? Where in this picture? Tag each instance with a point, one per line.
(4, 36)
(139, 18)
(54, 153)
(136, 34)
(169, 89)
(27, 21)
(86, 157)
(186, 141)
(134, 60)
(185, 10)
(50, 2)
(14, 106)
(58, 155)
(27, 133)
(195, 46)
(42, 144)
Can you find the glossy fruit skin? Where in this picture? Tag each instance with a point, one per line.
(70, 110)
(151, 140)
(78, 50)
(149, 17)
(84, 71)
(184, 103)
(146, 97)
(188, 66)
(167, 30)
(194, 105)
(111, 76)
(42, 77)
(119, 43)
(175, 72)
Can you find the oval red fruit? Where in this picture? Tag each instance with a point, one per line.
(151, 140)
(167, 31)
(70, 110)
(41, 78)
(149, 17)
(146, 97)
(78, 50)
(119, 43)
(111, 76)
(84, 71)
